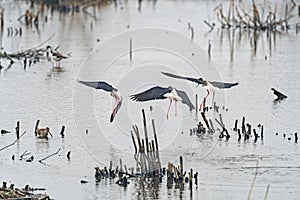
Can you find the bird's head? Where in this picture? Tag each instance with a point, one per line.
(200, 81)
(49, 48)
(170, 88)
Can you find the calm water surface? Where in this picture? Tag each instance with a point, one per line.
(99, 50)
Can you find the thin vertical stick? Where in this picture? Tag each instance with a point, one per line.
(243, 126)
(156, 144)
(191, 180)
(145, 130)
(181, 167)
(196, 103)
(253, 181)
(211, 125)
(135, 148)
(262, 132)
(235, 125)
(18, 129)
(267, 192)
(192, 33)
(239, 135)
(130, 49)
(121, 165)
(221, 119)
(136, 130)
(209, 50)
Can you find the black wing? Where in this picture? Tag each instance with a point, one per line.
(279, 94)
(196, 80)
(115, 111)
(151, 94)
(99, 85)
(185, 99)
(222, 85)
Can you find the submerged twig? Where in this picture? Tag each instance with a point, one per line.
(13, 142)
(253, 181)
(41, 160)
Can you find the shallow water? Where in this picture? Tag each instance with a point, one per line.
(161, 42)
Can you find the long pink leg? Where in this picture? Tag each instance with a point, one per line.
(175, 108)
(169, 109)
(204, 99)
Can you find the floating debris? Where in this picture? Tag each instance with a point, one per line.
(279, 95)
(83, 181)
(3, 131)
(18, 193)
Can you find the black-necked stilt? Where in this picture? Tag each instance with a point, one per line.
(56, 56)
(210, 86)
(108, 88)
(43, 132)
(279, 95)
(171, 93)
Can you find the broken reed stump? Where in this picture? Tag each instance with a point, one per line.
(262, 133)
(156, 145)
(191, 179)
(62, 131)
(249, 129)
(36, 127)
(147, 156)
(181, 169)
(192, 33)
(235, 125)
(69, 155)
(255, 135)
(243, 126)
(239, 135)
(1, 20)
(18, 129)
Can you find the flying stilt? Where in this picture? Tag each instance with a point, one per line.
(56, 56)
(210, 86)
(156, 93)
(108, 88)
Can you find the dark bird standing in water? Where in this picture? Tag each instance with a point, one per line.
(56, 56)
